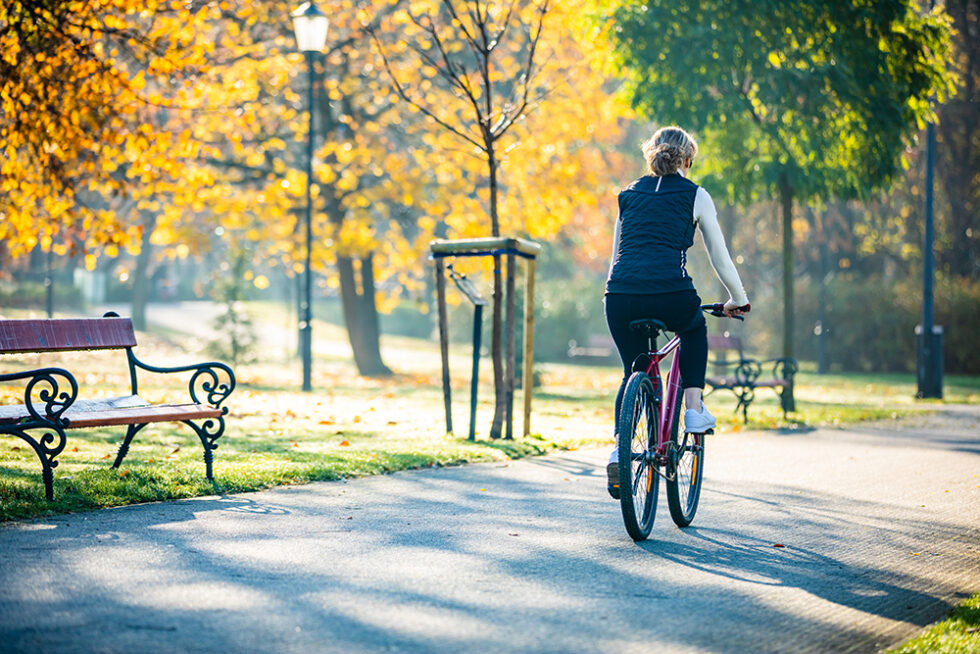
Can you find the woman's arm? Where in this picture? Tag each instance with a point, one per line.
(615, 248)
(714, 242)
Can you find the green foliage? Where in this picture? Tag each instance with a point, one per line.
(822, 92)
(958, 634)
(871, 321)
(235, 340)
(568, 310)
(32, 295)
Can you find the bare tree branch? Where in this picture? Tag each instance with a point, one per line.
(502, 30)
(448, 4)
(507, 119)
(403, 94)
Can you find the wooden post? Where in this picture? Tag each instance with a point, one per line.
(444, 340)
(528, 343)
(509, 352)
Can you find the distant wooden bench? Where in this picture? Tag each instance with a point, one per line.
(741, 374)
(51, 403)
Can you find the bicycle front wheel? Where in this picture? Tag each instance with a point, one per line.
(686, 467)
(638, 479)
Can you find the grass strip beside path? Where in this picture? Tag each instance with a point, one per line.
(166, 464)
(957, 634)
(354, 426)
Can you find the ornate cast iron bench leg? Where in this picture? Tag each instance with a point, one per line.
(131, 431)
(209, 432)
(746, 394)
(45, 401)
(47, 448)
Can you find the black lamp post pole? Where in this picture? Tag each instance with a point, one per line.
(929, 368)
(306, 320)
(929, 359)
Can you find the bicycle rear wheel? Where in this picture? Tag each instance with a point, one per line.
(686, 467)
(639, 482)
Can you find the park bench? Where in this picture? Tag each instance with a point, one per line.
(741, 374)
(51, 404)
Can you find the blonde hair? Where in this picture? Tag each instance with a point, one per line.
(668, 149)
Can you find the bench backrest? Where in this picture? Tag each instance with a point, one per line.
(721, 342)
(65, 334)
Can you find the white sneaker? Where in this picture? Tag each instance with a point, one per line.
(612, 474)
(698, 423)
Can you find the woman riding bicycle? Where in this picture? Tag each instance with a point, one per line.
(658, 214)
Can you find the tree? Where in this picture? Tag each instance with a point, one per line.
(465, 44)
(81, 87)
(796, 99)
(521, 109)
(255, 91)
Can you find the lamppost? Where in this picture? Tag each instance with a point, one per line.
(929, 337)
(310, 25)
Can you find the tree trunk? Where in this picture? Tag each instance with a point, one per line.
(786, 203)
(496, 332)
(361, 315)
(141, 275)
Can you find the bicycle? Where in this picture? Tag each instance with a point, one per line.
(652, 443)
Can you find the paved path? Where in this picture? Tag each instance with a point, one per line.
(881, 528)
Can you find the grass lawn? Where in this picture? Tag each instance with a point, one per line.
(957, 634)
(353, 426)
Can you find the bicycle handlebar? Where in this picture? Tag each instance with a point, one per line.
(718, 310)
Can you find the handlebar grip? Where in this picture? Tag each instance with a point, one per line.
(718, 310)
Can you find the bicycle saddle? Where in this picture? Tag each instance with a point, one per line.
(648, 327)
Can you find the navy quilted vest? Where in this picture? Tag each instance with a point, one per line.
(656, 229)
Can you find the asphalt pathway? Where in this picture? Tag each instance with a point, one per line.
(880, 528)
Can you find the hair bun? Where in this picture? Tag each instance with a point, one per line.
(668, 149)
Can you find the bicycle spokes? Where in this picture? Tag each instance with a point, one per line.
(637, 460)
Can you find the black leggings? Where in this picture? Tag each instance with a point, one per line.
(680, 311)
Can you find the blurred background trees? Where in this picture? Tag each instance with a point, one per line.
(154, 151)
(794, 100)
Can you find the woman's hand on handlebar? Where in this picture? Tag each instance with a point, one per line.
(733, 310)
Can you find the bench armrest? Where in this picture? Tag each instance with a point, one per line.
(744, 370)
(783, 367)
(44, 398)
(213, 379)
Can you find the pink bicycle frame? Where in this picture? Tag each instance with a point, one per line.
(670, 390)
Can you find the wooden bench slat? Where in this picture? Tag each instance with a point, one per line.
(66, 334)
(15, 412)
(731, 382)
(770, 383)
(141, 415)
(127, 410)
